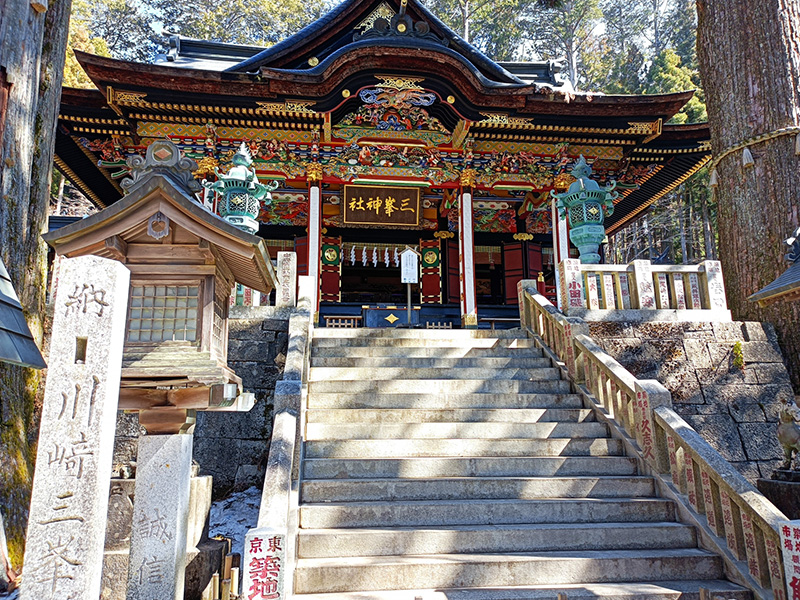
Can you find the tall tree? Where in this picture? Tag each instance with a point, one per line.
(492, 26)
(132, 29)
(32, 51)
(566, 30)
(750, 62)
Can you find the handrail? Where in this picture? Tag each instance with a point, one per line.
(740, 523)
(685, 292)
(269, 548)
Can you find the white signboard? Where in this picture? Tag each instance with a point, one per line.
(409, 266)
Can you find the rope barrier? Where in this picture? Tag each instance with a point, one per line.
(764, 137)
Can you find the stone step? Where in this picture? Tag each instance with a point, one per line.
(422, 335)
(457, 350)
(412, 342)
(463, 415)
(373, 431)
(484, 512)
(314, 575)
(442, 386)
(461, 488)
(493, 539)
(467, 447)
(399, 373)
(434, 362)
(655, 590)
(348, 400)
(423, 468)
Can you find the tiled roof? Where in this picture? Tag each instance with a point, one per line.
(787, 283)
(16, 342)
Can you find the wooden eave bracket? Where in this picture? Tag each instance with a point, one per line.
(117, 248)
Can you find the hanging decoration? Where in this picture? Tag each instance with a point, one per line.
(353, 254)
(364, 258)
(375, 256)
(396, 257)
(386, 259)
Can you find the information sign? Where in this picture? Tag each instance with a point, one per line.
(409, 266)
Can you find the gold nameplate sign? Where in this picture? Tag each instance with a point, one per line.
(373, 205)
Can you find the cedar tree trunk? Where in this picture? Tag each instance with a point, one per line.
(32, 54)
(749, 56)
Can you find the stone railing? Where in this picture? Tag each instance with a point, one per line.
(269, 548)
(734, 518)
(643, 291)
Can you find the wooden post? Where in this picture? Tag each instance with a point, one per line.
(314, 224)
(560, 247)
(469, 311)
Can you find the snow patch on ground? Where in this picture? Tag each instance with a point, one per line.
(234, 515)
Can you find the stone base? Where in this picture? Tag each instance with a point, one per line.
(783, 494)
(202, 563)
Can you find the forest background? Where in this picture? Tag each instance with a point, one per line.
(607, 46)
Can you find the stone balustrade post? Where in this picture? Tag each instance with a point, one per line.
(525, 309)
(650, 394)
(643, 289)
(571, 290)
(715, 285)
(573, 327)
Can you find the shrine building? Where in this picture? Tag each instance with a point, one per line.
(382, 129)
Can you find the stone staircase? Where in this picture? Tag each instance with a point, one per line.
(458, 465)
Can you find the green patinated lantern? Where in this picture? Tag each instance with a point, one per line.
(586, 204)
(240, 193)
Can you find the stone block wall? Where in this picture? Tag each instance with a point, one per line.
(735, 409)
(232, 447)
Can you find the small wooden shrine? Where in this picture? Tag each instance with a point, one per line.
(384, 129)
(786, 286)
(184, 261)
(17, 345)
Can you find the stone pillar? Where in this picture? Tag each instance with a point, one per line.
(643, 285)
(560, 246)
(157, 561)
(286, 294)
(716, 286)
(571, 289)
(314, 223)
(790, 533)
(66, 528)
(650, 394)
(469, 309)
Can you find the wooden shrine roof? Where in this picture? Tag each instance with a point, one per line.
(109, 232)
(16, 342)
(314, 81)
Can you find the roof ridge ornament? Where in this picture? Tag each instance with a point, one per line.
(400, 25)
(793, 255)
(163, 157)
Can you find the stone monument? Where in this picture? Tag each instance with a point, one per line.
(783, 488)
(66, 528)
(184, 262)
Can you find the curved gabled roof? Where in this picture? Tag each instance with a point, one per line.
(333, 32)
(17, 345)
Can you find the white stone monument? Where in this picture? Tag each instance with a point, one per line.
(286, 293)
(66, 528)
